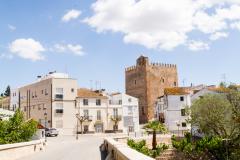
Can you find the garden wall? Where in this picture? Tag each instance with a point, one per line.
(17, 150)
(120, 151)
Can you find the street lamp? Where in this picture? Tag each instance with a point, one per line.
(45, 117)
(77, 125)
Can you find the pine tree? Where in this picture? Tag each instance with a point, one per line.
(7, 91)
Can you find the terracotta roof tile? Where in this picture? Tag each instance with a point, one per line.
(219, 89)
(86, 93)
(176, 91)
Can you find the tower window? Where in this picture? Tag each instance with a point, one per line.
(181, 98)
(162, 80)
(135, 82)
(175, 84)
(143, 113)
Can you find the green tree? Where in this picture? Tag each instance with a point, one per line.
(213, 115)
(7, 91)
(16, 129)
(155, 126)
(219, 116)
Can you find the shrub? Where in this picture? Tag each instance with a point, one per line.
(141, 147)
(16, 129)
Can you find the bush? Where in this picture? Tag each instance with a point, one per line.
(141, 147)
(16, 130)
(207, 147)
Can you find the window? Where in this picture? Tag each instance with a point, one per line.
(25, 108)
(46, 92)
(72, 90)
(85, 128)
(130, 110)
(85, 113)
(162, 80)
(183, 112)
(98, 102)
(42, 91)
(59, 90)
(184, 124)
(59, 108)
(120, 102)
(33, 107)
(39, 107)
(85, 102)
(175, 84)
(135, 82)
(110, 102)
(98, 115)
(181, 98)
(143, 112)
(129, 100)
(115, 112)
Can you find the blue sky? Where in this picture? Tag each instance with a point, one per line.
(98, 49)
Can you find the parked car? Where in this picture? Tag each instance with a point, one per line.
(49, 132)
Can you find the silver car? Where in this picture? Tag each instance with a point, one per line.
(49, 132)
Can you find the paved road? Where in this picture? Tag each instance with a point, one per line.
(68, 148)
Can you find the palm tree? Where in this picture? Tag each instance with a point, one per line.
(155, 126)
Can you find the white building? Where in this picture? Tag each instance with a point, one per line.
(5, 114)
(171, 109)
(14, 99)
(107, 113)
(50, 100)
(130, 112)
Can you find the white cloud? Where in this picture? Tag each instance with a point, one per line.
(163, 24)
(235, 25)
(208, 23)
(11, 27)
(218, 35)
(197, 45)
(69, 48)
(70, 15)
(27, 49)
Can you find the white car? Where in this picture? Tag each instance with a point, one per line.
(49, 132)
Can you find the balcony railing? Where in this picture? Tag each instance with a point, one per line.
(116, 118)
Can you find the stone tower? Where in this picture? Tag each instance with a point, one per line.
(147, 81)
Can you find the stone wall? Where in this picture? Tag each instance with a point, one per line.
(147, 81)
(18, 150)
(120, 151)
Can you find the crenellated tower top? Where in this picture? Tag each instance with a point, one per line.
(144, 61)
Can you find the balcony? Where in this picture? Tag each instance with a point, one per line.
(116, 118)
(87, 118)
(59, 97)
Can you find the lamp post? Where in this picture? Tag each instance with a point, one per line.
(77, 125)
(45, 118)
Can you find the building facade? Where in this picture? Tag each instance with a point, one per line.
(171, 109)
(147, 81)
(51, 101)
(14, 99)
(5, 103)
(106, 113)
